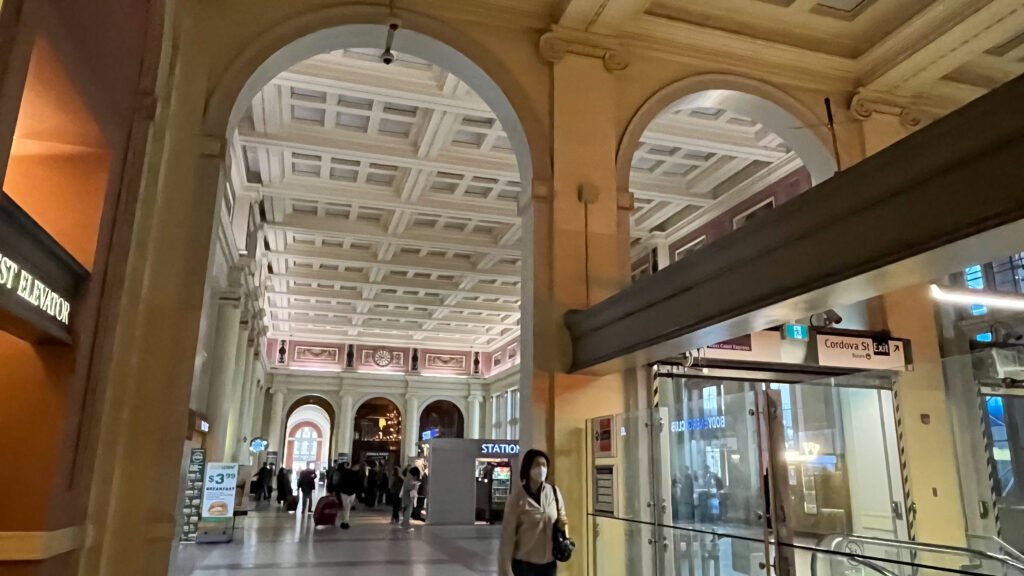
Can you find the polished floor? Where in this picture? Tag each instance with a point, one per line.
(274, 542)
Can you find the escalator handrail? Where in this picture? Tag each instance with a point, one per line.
(923, 547)
(1010, 550)
(853, 558)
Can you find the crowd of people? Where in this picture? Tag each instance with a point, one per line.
(370, 484)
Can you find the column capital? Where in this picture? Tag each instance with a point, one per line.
(559, 41)
(276, 390)
(865, 103)
(476, 397)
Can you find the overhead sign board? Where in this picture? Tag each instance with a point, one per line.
(39, 279)
(861, 352)
(763, 346)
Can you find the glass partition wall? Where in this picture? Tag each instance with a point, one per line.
(773, 474)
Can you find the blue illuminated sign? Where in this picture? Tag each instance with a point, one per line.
(258, 445)
(429, 434)
(797, 332)
(712, 423)
(500, 448)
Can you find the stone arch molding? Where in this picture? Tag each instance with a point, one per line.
(360, 26)
(364, 398)
(460, 403)
(778, 111)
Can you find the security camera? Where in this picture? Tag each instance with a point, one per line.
(832, 317)
(387, 57)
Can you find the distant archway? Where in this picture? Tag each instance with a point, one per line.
(319, 414)
(377, 434)
(443, 419)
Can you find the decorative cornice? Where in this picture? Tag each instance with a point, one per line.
(558, 42)
(865, 104)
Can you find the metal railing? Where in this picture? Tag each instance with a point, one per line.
(1010, 560)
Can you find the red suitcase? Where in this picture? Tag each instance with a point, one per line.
(326, 511)
(291, 504)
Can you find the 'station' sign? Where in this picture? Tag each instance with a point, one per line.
(500, 448)
(219, 492)
(14, 277)
(860, 352)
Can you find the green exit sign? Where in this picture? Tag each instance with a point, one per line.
(797, 332)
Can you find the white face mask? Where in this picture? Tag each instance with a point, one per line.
(539, 473)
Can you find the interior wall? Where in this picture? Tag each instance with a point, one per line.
(67, 114)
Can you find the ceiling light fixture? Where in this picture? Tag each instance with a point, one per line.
(1006, 301)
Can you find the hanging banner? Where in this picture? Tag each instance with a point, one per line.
(219, 492)
(193, 493)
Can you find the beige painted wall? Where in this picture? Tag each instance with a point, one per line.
(574, 113)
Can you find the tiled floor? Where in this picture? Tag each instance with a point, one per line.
(273, 542)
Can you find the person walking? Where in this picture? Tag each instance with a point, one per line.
(383, 484)
(421, 497)
(410, 492)
(307, 484)
(395, 493)
(269, 484)
(349, 486)
(531, 513)
(284, 487)
(371, 485)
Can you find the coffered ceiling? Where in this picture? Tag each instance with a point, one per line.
(693, 160)
(388, 204)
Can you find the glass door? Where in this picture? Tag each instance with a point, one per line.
(1004, 426)
(835, 472)
(710, 471)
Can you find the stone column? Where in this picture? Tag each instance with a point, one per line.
(235, 395)
(245, 410)
(218, 407)
(474, 416)
(257, 413)
(274, 434)
(346, 424)
(583, 212)
(411, 425)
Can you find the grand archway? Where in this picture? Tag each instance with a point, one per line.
(377, 434)
(442, 419)
(707, 155)
(308, 436)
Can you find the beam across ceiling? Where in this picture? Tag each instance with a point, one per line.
(396, 300)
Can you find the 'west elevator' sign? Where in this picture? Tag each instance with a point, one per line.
(39, 279)
(14, 277)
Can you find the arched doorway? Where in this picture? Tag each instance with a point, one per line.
(308, 433)
(306, 446)
(709, 154)
(378, 432)
(442, 419)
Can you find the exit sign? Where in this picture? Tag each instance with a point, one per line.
(797, 332)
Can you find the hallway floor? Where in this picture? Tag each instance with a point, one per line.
(274, 542)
